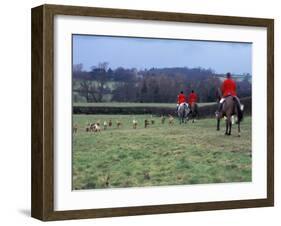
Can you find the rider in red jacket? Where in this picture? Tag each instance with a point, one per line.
(228, 88)
(192, 98)
(181, 98)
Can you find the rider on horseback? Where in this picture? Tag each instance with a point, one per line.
(192, 98)
(193, 108)
(228, 88)
(181, 99)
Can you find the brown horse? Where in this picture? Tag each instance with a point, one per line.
(230, 108)
(193, 111)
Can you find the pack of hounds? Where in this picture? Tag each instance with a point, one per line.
(98, 126)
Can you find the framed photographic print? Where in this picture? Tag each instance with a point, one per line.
(141, 112)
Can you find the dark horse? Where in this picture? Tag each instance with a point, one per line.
(183, 112)
(193, 111)
(230, 108)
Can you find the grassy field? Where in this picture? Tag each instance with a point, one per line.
(128, 104)
(158, 155)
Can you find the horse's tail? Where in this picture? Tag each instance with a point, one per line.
(240, 114)
(239, 111)
(185, 111)
(188, 110)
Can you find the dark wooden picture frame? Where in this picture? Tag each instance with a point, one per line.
(42, 203)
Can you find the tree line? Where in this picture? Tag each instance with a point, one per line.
(159, 85)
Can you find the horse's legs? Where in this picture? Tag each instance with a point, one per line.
(181, 119)
(230, 125)
(218, 124)
(238, 129)
(226, 127)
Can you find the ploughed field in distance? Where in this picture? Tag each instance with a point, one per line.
(160, 154)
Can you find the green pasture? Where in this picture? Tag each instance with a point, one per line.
(128, 104)
(162, 154)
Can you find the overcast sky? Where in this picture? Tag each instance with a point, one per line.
(144, 53)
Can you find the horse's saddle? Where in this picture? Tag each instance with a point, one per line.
(184, 104)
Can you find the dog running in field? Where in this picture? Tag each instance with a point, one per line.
(105, 125)
(119, 124)
(135, 123)
(146, 123)
(75, 128)
(94, 127)
(171, 120)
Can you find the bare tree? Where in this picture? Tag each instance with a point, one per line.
(77, 68)
(85, 89)
(99, 74)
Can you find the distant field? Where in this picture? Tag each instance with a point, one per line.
(118, 104)
(158, 155)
